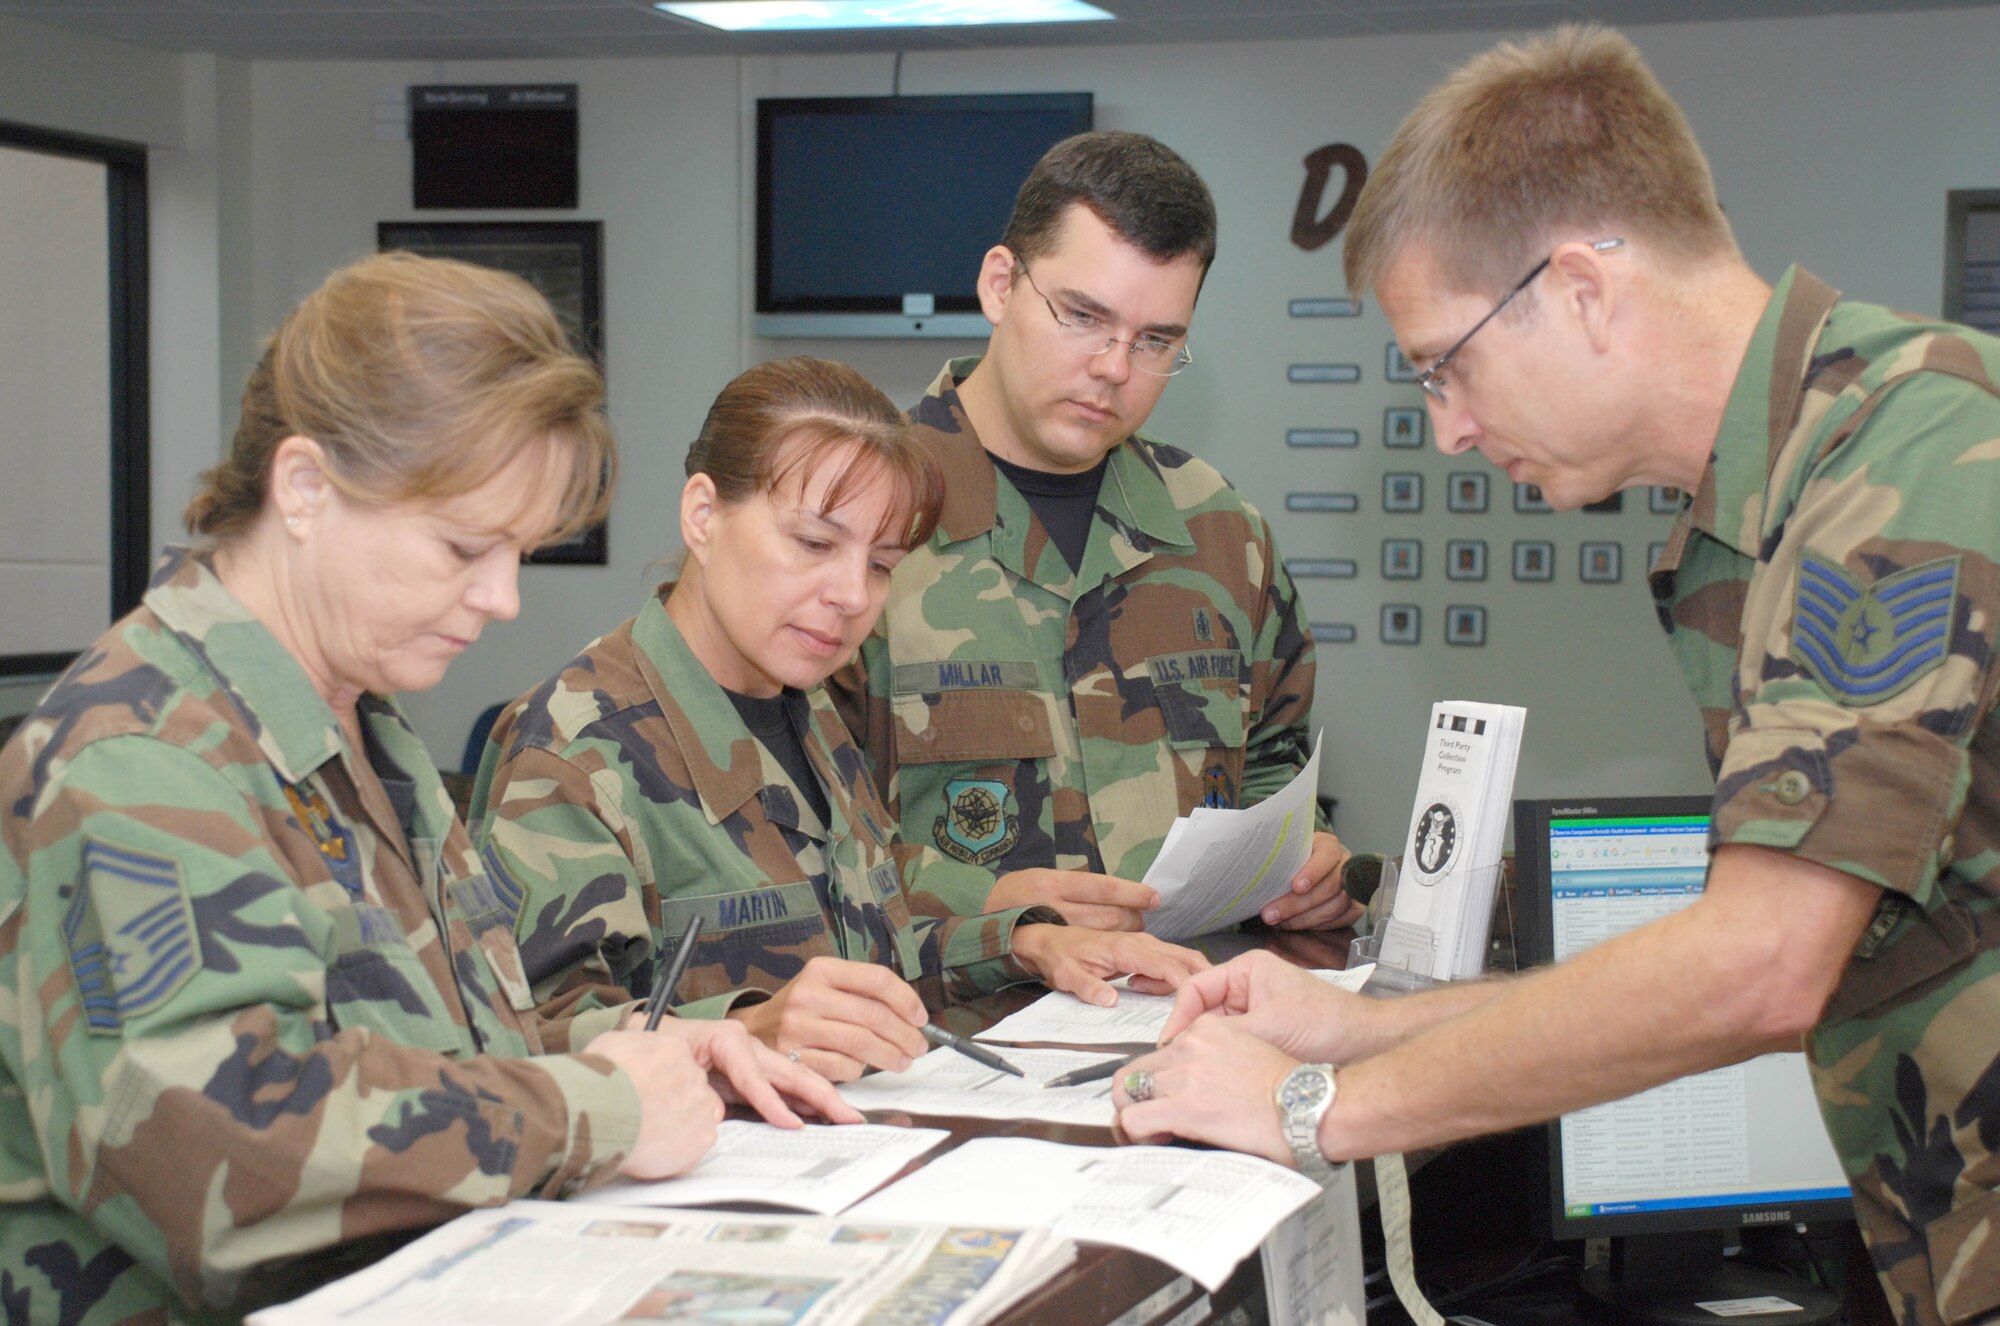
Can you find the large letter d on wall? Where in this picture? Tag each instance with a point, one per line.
(1310, 230)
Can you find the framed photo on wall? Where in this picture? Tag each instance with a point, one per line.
(1403, 491)
(1534, 560)
(1598, 563)
(1402, 426)
(1465, 491)
(1465, 624)
(1465, 559)
(1402, 624)
(1528, 500)
(1402, 559)
(1662, 500)
(562, 259)
(1396, 365)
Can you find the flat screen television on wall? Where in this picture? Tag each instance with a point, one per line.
(873, 212)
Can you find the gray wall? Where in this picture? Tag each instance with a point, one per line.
(1834, 149)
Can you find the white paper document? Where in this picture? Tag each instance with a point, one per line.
(821, 1167)
(1059, 1018)
(946, 1083)
(1219, 867)
(1199, 1211)
(573, 1264)
(1458, 827)
(1312, 1261)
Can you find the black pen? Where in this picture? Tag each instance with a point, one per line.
(979, 1054)
(663, 989)
(1076, 1077)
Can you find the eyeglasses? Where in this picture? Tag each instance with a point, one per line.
(1149, 354)
(1432, 379)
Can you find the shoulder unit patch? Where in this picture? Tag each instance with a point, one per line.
(979, 825)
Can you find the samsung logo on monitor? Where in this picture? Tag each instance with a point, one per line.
(1767, 1217)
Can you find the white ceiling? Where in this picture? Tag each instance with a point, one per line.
(525, 29)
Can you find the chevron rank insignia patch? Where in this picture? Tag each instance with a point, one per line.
(1867, 642)
(130, 933)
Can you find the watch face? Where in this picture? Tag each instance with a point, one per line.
(1304, 1088)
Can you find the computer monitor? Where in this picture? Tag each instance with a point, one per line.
(1671, 1173)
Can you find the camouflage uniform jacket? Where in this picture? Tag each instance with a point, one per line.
(1020, 714)
(248, 1011)
(1832, 595)
(625, 795)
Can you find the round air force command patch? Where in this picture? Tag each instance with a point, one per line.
(1437, 840)
(1866, 642)
(980, 822)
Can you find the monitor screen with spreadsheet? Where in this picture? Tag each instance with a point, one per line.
(1727, 1149)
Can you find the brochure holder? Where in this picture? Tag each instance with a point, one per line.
(1405, 954)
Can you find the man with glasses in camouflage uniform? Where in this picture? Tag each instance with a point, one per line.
(1100, 636)
(1830, 591)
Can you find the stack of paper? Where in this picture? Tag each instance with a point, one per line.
(1458, 829)
(570, 1264)
(1059, 1018)
(1198, 1211)
(820, 1168)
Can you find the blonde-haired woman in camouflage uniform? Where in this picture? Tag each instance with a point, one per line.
(261, 1013)
(690, 763)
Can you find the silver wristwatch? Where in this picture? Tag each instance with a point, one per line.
(1304, 1096)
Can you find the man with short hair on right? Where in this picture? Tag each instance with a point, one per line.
(1543, 234)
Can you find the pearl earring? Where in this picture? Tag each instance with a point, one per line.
(292, 521)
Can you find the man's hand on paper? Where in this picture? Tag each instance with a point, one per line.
(842, 1017)
(1215, 1083)
(1099, 902)
(1083, 962)
(1283, 1005)
(1317, 900)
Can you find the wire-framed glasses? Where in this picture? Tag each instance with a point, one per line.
(1432, 378)
(1149, 353)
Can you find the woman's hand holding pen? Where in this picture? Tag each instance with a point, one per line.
(841, 1017)
(1084, 962)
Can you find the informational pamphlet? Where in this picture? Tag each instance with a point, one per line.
(1458, 829)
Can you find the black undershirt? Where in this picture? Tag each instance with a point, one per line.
(771, 722)
(1064, 503)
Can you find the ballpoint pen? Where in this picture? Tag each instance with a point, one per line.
(979, 1054)
(663, 989)
(1076, 1077)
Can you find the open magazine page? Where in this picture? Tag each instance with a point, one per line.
(557, 1264)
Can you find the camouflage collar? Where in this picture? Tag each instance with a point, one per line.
(295, 727)
(1763, 402)
(1133, 491)
(698, 713)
